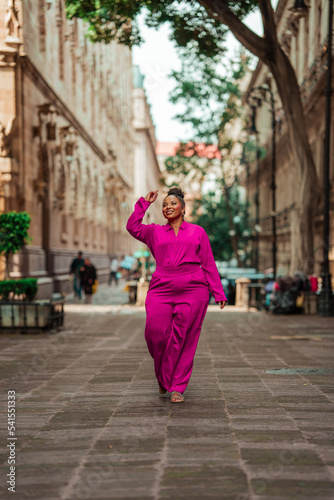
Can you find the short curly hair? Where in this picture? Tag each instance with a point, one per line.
(176, 191)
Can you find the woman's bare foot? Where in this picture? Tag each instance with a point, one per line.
(162, 390)
(176, 397)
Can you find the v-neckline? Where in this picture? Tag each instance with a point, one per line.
(176, 235)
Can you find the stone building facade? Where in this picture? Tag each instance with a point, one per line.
(304, 40)
(66, 138)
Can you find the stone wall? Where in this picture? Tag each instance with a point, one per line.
(66, 107)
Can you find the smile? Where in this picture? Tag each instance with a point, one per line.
(169, 212)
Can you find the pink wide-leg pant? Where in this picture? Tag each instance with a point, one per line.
(176, 304)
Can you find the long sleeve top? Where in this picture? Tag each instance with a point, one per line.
(191, 245)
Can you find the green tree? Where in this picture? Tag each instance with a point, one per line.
(14, 228)
(210, 97)
(209, 93)
(202, 26)
(210, 213)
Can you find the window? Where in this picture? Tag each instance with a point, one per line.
(92, 97)
(60, 23)
(317, 36)
(306, 43)
(64, 223)
(74, 46)
(41, 24)
(84, 70)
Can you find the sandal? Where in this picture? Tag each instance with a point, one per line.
(162, 390)
(176, 397)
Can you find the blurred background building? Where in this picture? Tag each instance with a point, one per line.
(69, 144)
(147, 173)
(303, 38)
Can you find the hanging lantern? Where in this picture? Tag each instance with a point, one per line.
(299, 8)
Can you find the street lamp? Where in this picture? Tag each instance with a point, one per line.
(255, 98)
(254, 102)
(299, 8)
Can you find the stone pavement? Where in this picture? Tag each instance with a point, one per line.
(91, 424)
(106, 295)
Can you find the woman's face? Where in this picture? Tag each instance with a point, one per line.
(172, 208)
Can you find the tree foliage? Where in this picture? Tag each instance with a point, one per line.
(190, 22)
(23, 289)
(14, 228)
(208, 92)
(213, 219)
(210, 97)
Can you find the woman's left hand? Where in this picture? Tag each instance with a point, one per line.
(223, 304)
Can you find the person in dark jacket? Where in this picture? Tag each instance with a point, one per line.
(75, 272)
(88, 277)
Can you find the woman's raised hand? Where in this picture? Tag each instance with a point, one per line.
(151, 196)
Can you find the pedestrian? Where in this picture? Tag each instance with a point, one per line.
(76, 263)
(231, 291)
(88, 276)
(225, 282)
(114, 267)
(178, 294)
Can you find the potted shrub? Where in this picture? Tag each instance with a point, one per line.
(18, 309)
(14, 228)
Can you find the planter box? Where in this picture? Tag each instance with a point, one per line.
(36, 314)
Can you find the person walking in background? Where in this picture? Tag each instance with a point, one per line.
(178, 295)
(225, 282)
(88, 276)
(231, 292)
(75, 272)
(114, 267)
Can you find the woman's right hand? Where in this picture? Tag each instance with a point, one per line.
(151, 196)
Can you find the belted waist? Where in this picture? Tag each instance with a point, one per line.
(176, 270)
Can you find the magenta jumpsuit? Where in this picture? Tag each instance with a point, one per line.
(178, 295)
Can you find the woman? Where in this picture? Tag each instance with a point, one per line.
(178, 295)
(88, 276)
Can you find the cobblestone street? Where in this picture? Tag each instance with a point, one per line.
(92, 425)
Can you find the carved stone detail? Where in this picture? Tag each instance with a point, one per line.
(12, 24)
(5, 139)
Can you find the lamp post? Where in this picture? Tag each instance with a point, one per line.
(255, 98)
(244, 162)
(326, 302)
(254, 103)
(246, 233)
(299, 8)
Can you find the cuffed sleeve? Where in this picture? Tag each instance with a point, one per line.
(209, 267)
(141, 232)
